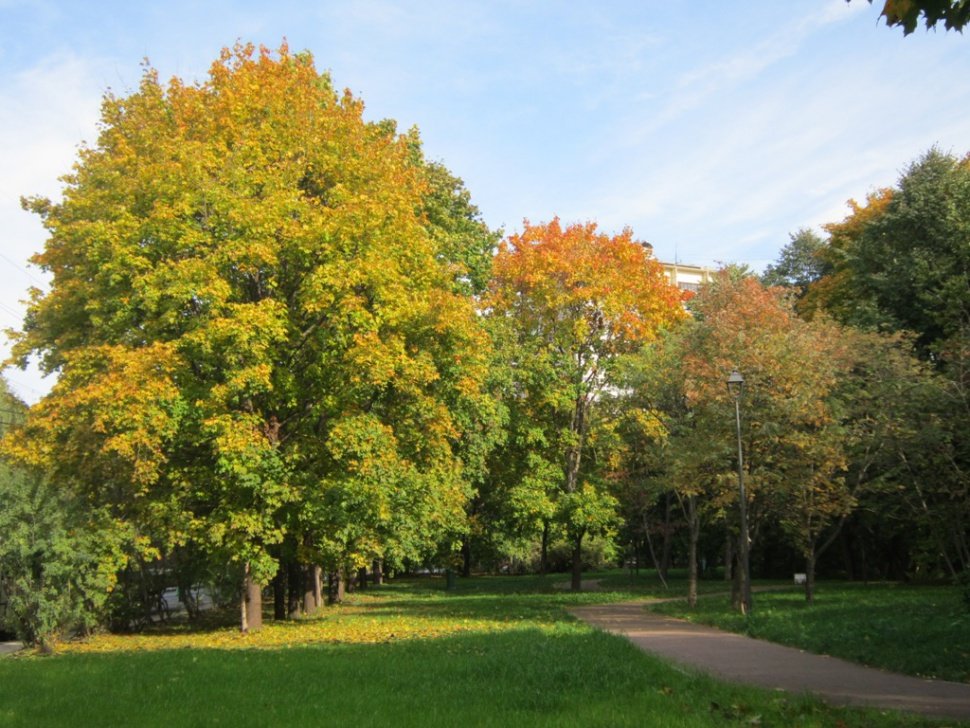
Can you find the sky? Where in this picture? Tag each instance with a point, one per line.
(713, 129)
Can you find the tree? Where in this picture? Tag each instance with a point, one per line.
(792, 451)
(574, 300)
(799, 263)
(258, 336)
(666, 450)
(57, 559)
(899, 262)
(954, 14)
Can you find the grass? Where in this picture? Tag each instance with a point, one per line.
(495, 651)
(916, 630)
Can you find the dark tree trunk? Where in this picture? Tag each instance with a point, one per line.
(694, 528)
(279, 594)
(378, 573)
(362, 577)
(653, 554)
(187, 597)
(335, 588)
(667, 546)
(576, 583)
(736, 571)
(350, 580)
(295, 580)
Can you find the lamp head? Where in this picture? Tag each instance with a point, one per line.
(735, 383)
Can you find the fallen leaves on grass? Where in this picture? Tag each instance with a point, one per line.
(344, 624)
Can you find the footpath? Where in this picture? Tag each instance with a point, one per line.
(736, 658)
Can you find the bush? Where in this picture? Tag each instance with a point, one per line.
(57, 564)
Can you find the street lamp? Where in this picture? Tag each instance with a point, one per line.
(735, 385)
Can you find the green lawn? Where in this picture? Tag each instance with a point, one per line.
(495, 651)
(917, 630)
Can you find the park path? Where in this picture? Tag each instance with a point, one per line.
(736, 658)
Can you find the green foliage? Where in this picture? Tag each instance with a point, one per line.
(900, 261)
(58, 560)
(898, 264)
(799, 264)
(57, 567)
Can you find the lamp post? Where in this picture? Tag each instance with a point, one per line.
(735, 384)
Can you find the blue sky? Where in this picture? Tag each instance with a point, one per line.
(712, 129)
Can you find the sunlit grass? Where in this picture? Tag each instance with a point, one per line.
(522, 662)
(499, 651)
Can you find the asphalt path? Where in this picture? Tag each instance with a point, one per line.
(736, 658)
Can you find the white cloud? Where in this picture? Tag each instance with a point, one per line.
(45, 111)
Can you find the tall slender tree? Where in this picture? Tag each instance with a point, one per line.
(575, 299)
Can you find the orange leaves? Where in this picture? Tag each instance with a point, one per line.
(607, 292)
(114, 403)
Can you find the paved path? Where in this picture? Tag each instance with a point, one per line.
(745, 660)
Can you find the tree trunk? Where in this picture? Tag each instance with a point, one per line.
(335, 588)
(667, 546)
(349, 580)
(362, 577)
(252, 603)
(294, 579)
(736, 571)
(279, 594)
(653, 554)
(309, 590)
(577, 575)
(694, 528)
(810, 575)
(378, 574)
(317, 585)
(187, 597)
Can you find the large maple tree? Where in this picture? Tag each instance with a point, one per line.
(257, 331)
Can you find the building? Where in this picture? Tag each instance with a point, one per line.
(687, 277)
